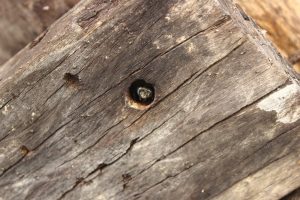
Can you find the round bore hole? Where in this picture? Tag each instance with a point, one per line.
(71, 79)
(141, 92)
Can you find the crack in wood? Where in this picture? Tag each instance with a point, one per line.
(91, 146)
(102, 121)
(53, 93)
(219, 23)
(267, 143)
(176, 89)
(260, 168)
(100, 167)
(211, 127)
(47, 74)
(38, 39)
(206, 130)
(38, 146)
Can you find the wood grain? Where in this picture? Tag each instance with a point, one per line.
(226, 110)
(280, 19)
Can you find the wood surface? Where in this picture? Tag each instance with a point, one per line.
(225, 122)
(280, 19)
(21, 21)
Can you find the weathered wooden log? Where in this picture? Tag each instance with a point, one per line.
(280, 19)
(149, 100)
(22, 21)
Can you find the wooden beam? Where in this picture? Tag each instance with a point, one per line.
(77, 119)
(280, 20)
(22, 21)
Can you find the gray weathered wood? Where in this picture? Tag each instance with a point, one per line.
(224, 124)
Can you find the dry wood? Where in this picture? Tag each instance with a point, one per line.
(23, 20)
(225, 121)
(280, 18)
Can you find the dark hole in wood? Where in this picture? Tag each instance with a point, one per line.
(24, 150)
(142, 92)
(71, 79)
(126, 177)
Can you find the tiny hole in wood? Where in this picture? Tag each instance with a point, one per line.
(24, 150)
(71, 79)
